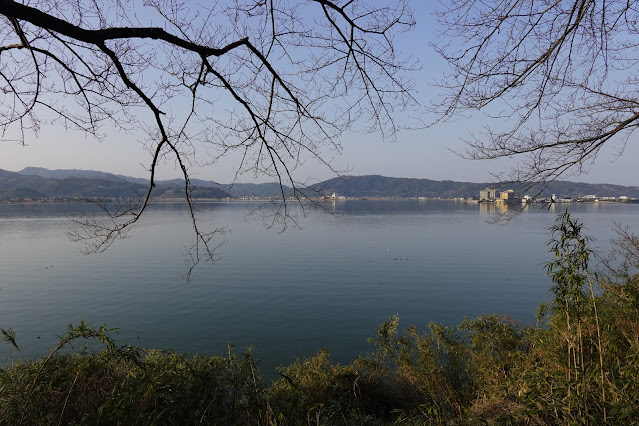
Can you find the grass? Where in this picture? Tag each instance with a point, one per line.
(578, 365)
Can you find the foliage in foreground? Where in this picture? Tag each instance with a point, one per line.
(579, 364)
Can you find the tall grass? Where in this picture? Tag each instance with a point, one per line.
(578, 365)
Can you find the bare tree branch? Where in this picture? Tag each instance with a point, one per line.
(276, 81)
(557, 80)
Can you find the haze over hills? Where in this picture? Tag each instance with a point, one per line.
(87, 184)
(37, 182)
(88, 174)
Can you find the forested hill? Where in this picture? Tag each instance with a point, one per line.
(35, 182)
(16, 185)
(381, 186)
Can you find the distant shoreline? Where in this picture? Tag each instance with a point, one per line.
(278, 200)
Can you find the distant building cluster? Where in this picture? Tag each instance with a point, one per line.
(333, 197)
(490, 195)
(493, 196)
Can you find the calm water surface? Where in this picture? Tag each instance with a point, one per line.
(329, 284)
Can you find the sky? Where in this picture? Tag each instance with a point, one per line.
(429, 153)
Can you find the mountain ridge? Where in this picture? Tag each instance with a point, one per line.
(74, 184)
(381, 186)
(38, 182)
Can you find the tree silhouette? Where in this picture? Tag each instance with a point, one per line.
(274, 80)
(558, 77)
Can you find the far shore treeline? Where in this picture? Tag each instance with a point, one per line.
(34, 183)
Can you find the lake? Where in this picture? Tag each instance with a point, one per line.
(329, 284)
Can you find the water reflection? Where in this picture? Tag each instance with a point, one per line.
(329, 284)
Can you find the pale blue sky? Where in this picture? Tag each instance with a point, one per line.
(426, 153)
